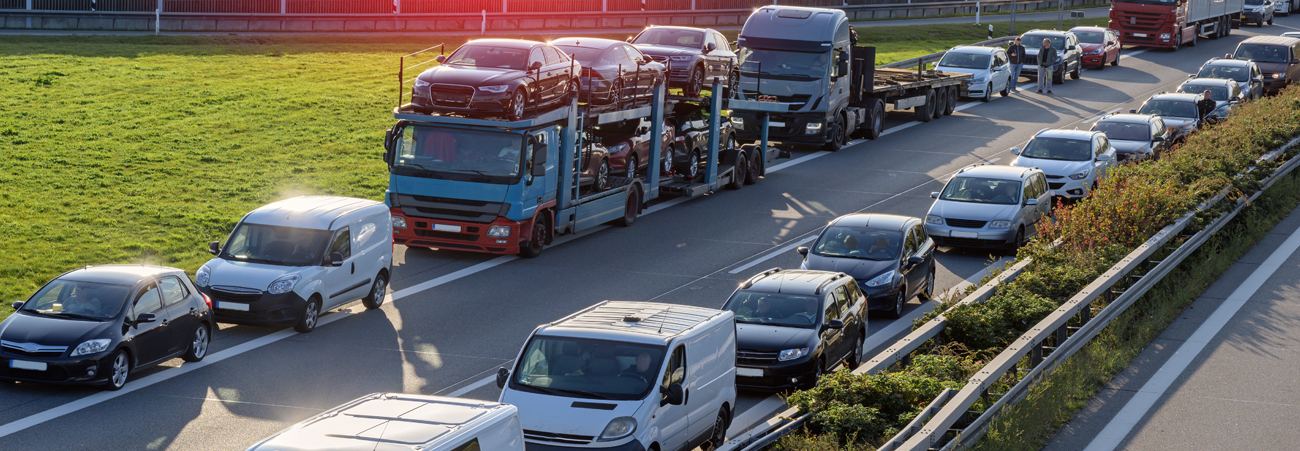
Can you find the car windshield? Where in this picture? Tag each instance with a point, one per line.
(777, 64)
(1240, 74)
(1089, 37)
(1124, 131)
(1066, 149)
(78, 300)
(1216, 92)
(1036, 41)
(276, 245)
(489, 56)
(675, 37)
(859, 242)
(982, 190)
(774, 309)
(1170, 108)
(586, 368)
(965, 60)
(1255, 2)
(1262, 53)
(586, 56)
(434, 151)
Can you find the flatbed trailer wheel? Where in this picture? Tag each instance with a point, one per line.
(953, 93)
(940, 103)
(632, 207)
(922, 112)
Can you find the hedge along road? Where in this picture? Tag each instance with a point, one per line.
(456, 317)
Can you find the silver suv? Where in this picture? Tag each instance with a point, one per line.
(989, 206)
(1073, 160)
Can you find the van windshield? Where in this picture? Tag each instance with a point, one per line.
(288, 246)
(587, 368)
(1263, 53)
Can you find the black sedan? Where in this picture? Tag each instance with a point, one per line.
(694, 56)
(613, 72)
(494, 77)
(691, 139)
(890, 256)
(99, 324)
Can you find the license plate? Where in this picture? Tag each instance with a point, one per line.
(25, 365)
(749, 372)
(961, 234)
(1139, 35)
(232, 306)
(446, 228)
(775, 124)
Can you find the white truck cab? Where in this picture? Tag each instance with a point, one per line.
(288, 261)
(626, 376)
(395, 422)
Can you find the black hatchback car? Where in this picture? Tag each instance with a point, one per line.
(99, 324)
(694, 56)
(792, 326)
(495, 77)
(891, 257)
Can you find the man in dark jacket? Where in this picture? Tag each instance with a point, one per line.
(1046, 59)
(1016, 53)
(1205, 106)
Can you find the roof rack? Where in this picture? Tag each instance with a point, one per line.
(828, 282)
(972, 165)
(759, 276)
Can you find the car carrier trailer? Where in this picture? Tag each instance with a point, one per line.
(806, 58)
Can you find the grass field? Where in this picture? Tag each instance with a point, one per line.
(117, 149)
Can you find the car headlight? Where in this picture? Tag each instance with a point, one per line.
(791, 354)
(934, 219)
(284, 284)
(91, 347)
(738, 122)
(421, 83)
(1000, 224)
(1275, 76)
(978, 80)
(680, 58)
(813, 128)
(1081, 174)
(399, 222)
(202, 276)
(494, 89)
(618, 428)
(618, 148)
(498, 231)
(883, 279)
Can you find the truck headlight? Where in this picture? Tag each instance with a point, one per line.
(91, 347)
(202, 276)
(791, 354)
(498, 231)
(497, 89)
(813, 128)
(1000, 224)
(283, 284)
(399, 222)
(618, 428)
(1081, 174)
(1164, 35)
(738, 122)
(883, 279)
(934, 219)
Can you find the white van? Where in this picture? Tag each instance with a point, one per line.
(286, 262)
(626, 376)
(394, 421)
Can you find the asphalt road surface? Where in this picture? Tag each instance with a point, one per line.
(454, 318)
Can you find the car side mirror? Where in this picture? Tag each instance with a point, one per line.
(915, 259)
(1103, 157)
(503, 376)
(710, 47)
(1070, 48)
(594, 139)
(1031, 202)
(1158, 139)
(642, 130)
(1191, 76)
(1227, 56)
(336, 259)
(1132, 111)
(537, 65)
(18, 305)
(833, 324)
(440, 58)
(1295, 60)
(802, 250)
(647, 60)
(214, 248)
(676, 394)
(629, 39)
(145, 318)
(934, 195)
(1015, 151)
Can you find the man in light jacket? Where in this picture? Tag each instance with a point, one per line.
(1046, 60)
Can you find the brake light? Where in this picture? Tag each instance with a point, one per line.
(207, 300)
(587, 72)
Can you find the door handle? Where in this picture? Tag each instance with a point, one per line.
(354, 267)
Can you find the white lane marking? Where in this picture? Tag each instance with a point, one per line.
(800, 160)
(875, 339)
(1137, 407)
(474, 386)
(771, 255)
(453, 276)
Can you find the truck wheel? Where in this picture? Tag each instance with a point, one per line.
(922, 112)
(755, 165)
(940, 103)
(1178, 41)
(739, 172)
(631, 208)
(877, 124)
(537, 240)
(835, 135)
(953, 93)
(1195, 35)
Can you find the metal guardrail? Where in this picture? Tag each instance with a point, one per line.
(908, 63)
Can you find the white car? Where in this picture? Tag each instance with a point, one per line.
(1073, 160)
(1282, 7)
(988, 65)
(288, 261)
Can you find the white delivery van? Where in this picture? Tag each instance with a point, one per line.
(288, 261)
(395, 421)
(626, 376)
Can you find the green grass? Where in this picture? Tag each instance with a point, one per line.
(141, 149)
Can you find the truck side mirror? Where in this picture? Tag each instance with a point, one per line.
(676, 394)
(802, 250)
(503, 376)
(842, 68)
(214, 248)
(336, 259)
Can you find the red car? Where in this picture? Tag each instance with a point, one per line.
(629, 146)
(1099, 46)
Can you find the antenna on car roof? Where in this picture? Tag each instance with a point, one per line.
(663, 320)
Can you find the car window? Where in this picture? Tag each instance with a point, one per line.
(366, 233)
(553, 56)
(173, 291)
(830, 311)
(675, 373)
(910, 246)
(855, 294)
(1101, 145)
(535, 56)
(722, 41)
(148, 301)
(342, 243)
(921, 237)
(842, 297)
(471, 445)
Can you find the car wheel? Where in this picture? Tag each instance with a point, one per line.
(855, 357)
(199, 344)
(1116, 62)
(537, 240)
(719, 434)
(1006, 89)
(1074, 74)
(733, 86)
(897, 310)
(631, 165)
(988, 92)
(755, 164)
(739, 172)
(602, 176)
(1019, 239)
(119, 369)
(1270, 20)
(696, 83)
(378, 291)
(817, 375)
(927, 290)
(1058, 78)
(690, 166)
(616, 94)
(667, 163)
(310, 314)
(631, 207)
(517, 102)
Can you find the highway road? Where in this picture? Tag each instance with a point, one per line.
(454, 318)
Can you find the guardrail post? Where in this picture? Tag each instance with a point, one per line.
(1036, 355)
(1062, 334)
(29, 18)
(397, 7)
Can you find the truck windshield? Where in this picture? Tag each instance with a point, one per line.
(674, 37)
(1240, 74)
(774, 309)
(444, 151)
(779, 64)
(275, 245)
(1171, 108)
(982, 190)
(1065, 149)
(1124, 131)
(1262, 53)
(587, 368)
(964, 60)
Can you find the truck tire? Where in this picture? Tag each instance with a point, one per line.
(940, 103)
(922, 112)
(835, 135)
(1178, 41)
(876, 122)
(1195, 35)
(953, 93)
(739, 172)
(537, 240)
(755, 165)
(632, 207)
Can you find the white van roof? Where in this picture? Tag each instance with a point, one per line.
(391, 422)
(307, 212)
(644, 322)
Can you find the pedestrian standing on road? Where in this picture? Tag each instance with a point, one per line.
(1016, 53)
(1205, 106)
(1046, 59)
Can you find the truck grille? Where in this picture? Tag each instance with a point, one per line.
(567, 439)
(965, 223)
(1139, 21)
(235, 294)
(756, 357)
(452, 95)
(448, 209)
(32, 349)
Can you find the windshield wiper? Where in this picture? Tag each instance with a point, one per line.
(77, 316)
(559, 391)
(254, 260)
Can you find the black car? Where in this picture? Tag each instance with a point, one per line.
(694, 56)
(691, 139)
(613, 72)
(99, 324)
(891, 257)
(494, 77)
(792, 326)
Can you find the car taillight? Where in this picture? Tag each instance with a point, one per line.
(207, 300)
(587, 72)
